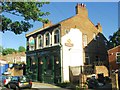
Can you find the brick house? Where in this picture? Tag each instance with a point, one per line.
(15, 57)
(75, 41)
(114, 58)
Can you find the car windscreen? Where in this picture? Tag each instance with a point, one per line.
(14, 78)
(24, 79)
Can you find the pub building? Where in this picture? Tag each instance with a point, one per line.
(75, 41)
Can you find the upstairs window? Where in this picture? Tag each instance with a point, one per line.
(40, 41)
(47, 39)
(56, 36)
(31, 43)
(117, 57)
(85, 40)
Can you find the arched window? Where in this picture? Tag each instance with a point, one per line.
(40, 41)
(47, 39)
(31, 43)
(56, 36)
(85, 40)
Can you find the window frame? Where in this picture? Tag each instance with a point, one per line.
(31, 47)
(57, 35)
(49, 43)
(39, 40)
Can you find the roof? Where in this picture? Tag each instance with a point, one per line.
(114, 48)
(83, 20)
(40, 29)
(2, 61)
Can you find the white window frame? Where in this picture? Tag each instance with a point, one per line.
(38, 41)
(45, 39)
(53, 37)
(31, 49)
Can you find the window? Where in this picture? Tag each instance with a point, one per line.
(117, 57)
(87, 60)
(40, 41)
(94, 36)
(56, 36)
(31, 43)
(47, 39)
(85, 40)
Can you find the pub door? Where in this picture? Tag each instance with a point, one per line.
(49, 69)
(40, 70)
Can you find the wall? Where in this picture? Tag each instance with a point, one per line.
(101, 69)
(72, 51)
(15, 72)
(112, 57)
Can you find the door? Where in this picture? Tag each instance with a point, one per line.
(49, 69)
(40, 69)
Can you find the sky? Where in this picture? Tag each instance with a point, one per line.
(104, 12)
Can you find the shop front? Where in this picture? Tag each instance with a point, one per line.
(45, 65)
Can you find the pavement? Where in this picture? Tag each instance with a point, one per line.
(43, 85)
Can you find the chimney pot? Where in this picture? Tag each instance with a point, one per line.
(81, 10)
(98, 23)
(99, 27)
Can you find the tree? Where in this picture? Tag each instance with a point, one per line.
(21, 49)
(8, 51)
(28, 10)
(114, 40)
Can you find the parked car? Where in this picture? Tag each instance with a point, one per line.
(5, 80)
(18, 82)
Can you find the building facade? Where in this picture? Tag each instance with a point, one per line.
(75, 41)
(114, 58)
(15, 57)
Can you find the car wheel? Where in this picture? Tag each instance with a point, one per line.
(16, 87)
(29, 87)
(9, 86)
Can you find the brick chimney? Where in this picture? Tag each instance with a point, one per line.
(99, 27)
(47, 24)
(81, 10)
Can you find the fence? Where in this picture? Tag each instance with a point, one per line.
(77, 73)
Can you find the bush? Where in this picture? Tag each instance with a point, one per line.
(66, 85)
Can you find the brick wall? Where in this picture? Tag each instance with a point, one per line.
(112, 58)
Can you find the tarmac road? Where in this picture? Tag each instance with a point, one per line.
(40, 86)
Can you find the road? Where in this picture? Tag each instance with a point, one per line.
(40, 86)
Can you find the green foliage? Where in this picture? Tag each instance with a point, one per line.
(8, 51)
(28, 10)
(21, 49)
(114, 40)
(67, 85)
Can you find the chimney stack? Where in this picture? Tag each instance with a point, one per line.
(81, 10)
(99, 27)
(47, 24)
